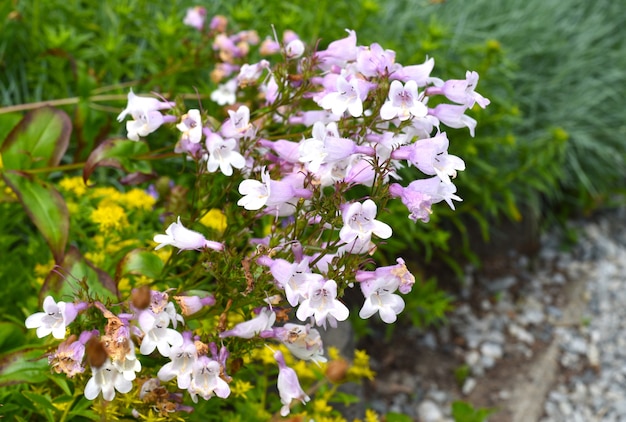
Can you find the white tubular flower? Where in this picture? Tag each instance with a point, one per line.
(55, 318)
(191, 126)
(184, 239)
(403, 102)
(106, 379)
(322, 305)
(255, 193)
(157, 335)
(288, 385)
(206, 381)
(223, 154)
(248, 329)
(129, 365)
(183, 359)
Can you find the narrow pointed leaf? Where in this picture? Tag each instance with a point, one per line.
(140, 262)
(76, 273)
(117, 153)
(38, 141)
(23, 366)
(45, 207)
(7, 122)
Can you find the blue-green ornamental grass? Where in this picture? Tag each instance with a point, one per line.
(194, 280)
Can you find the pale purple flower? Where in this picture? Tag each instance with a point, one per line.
(238, 124)
(55, 318)
(139, 106)
(373, 61)
(69, 355)
(129, 364)
(255, 193)
(183, 357)
(157, 335)
(223, 154)
(431, 157)
(393, 276)
(270, 88)
(262, 322)
(294, 49)
(461, 91)
(225, 93)
(270, 193)
(326, 146)
(380, 297)
(285, 150)
(269, 46)
(250, 73)
(339, 52)
(322, 304)
(454, 116)
(106, 379)
(288, 385)
(192, 304)
(360, 221)
(403, 102)
(145, 124)
(302, 341)
(418, 202)
(310, 117)
(191, 126)
(420, 73)
(349, 95)
(195, 17)
(420, 194)
(293, 278)
(206, 381)
(184, 239)
(227, 47)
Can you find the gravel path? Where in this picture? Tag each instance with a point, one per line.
(544, 343)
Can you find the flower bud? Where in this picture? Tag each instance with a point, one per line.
(140, 297)
(336, 370)
(96, 353)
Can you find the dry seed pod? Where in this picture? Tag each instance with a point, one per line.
(96, 352)
(336, 370)
(140, 297)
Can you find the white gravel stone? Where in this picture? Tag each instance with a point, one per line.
(491, 350)
(469, 386)
(428, 411)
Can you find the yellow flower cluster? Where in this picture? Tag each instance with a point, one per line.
(239, 388)
(214, 219)
(360, 368)
(109, 216)
(137, 199)
(74, 185)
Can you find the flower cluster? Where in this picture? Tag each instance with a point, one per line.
(307, 153)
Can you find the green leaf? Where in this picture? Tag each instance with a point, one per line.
(42, 402)
(23, 366)
(76, 273)
(139, 261)
(38, 141)
(7, 122)
(465, 412)
(117, 153)
(45, 207)
(61, 381)
(11, 335)
(397, 417)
